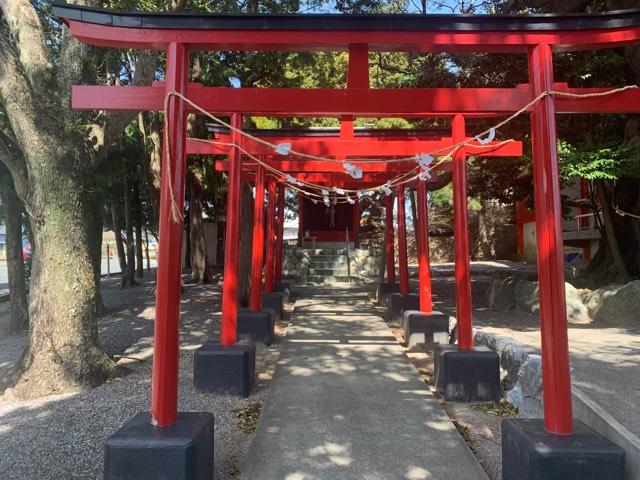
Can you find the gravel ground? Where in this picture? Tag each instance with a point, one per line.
(60, 437)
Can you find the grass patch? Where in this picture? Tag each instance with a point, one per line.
(501, 408)
(248, 417)
(426, 375)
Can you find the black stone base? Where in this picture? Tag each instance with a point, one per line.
(257, 326)
(467, 375)
(225, 369)
(398, 303)
(141, 451)
(420, 327)
(384, 289)
(275, 302)
(531, 453)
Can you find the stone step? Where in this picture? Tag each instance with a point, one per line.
(334, 264)
(326, 258)
(328, 271)
(323, 280)
(325, 251)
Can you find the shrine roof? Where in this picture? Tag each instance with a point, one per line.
(333, 22)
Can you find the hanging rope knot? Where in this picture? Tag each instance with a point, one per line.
(176, 212)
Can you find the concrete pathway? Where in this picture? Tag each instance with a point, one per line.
(346, 403)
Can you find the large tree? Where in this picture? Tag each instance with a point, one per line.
(61, 149)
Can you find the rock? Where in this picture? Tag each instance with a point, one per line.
(500, 294)
(527, 394)
(577, 311)
(615, 304)
(512, 355)
(526, 298)
(511, 360)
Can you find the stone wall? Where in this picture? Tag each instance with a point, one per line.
(366, 263)
(295, 264)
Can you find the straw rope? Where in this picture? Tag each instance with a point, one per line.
(401, 179)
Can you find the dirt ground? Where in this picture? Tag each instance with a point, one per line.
(60, 437)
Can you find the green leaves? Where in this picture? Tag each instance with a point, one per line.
(606, 161)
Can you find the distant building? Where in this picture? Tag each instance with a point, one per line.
(580, 233)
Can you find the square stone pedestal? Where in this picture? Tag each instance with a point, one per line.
(467, 375)
(398, 303)
(425, 328)
(275, 302)
(225, 369)
(529, 452)
(142, 451)
(257, 326)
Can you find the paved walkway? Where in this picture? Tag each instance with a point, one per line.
(346, 403)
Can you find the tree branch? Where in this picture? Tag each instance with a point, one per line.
(23, 113)
(110, 125)
(28, 35)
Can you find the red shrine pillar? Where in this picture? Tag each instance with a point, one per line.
(232, 240)
(279, 234)
(558, 415)
(461, 238)
(271, 237)
(424, 266)
(258, 242)
(389, 240)
(164, 385)
(402, 243)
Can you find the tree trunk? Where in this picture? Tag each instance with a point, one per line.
(94, 231)
(199, 258)
(63, 350)
(117, 230)
(146, 248)
(246, 242)
(128, 275)
(152, 169)
(139, 241)
(15, 264)
(610, 232)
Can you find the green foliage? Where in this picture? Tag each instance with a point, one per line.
(601, 162)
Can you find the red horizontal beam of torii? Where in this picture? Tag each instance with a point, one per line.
(383, 102)
(332, 40)
(362, 147)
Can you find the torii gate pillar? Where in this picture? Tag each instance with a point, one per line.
(554, 446)
(229, 367)
(397, 303)
(256, 323)
(424, 326)
(464, 373)
(165, 436)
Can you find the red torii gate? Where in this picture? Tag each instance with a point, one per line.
(534, 35)
(374, 174)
